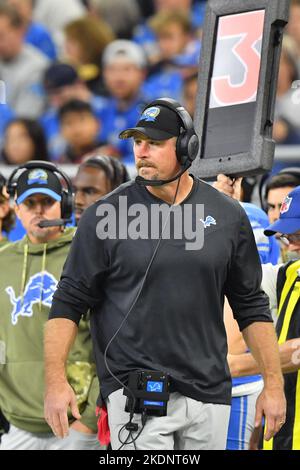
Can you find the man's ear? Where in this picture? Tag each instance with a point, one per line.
(16, 209)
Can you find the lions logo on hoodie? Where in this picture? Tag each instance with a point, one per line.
(39, 289)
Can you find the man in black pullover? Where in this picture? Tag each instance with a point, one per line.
(155, 287)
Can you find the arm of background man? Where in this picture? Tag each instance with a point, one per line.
(88, 422)
(245, 364)
(60, 334)
(231, 187)
(261, 340)
(235, 340)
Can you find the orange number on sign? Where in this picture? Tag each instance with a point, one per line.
(249, 27)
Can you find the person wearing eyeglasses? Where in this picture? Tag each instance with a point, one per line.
(278, 187)
(282, 284)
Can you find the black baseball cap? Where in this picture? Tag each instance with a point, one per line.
(38, 181)
(59, 75)
(157, 123)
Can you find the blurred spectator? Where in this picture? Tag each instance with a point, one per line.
(175, 36)
(61, 84)
(85, 40)
(177, 57)
(189, 93)
(6, 115)
(97, 175)
(7, 216)
(146, 7)
(145, 36)
(114, 12)
(21, 66)
(24, 140)
(80, 128)
(55, 14)
(293, 28)
(287, 117)
(124, 71)
(36, 34)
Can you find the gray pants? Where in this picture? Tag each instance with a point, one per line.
(17, 439)
(189, 425)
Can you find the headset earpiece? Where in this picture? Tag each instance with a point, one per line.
(115, 170)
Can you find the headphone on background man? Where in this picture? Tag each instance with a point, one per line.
(187, 144)
(67, 196)
(114, 170)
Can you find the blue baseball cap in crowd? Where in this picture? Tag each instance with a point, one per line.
(38, 181)
(59, 75)
(289, 220)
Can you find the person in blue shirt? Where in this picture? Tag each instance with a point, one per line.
(6, 115)
(245, 390)
(36, 34)
(177, 56)
(62, 84)
(144, 34)
(267, 247)
(124, 70)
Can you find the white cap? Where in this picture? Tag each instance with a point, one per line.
(127, 50)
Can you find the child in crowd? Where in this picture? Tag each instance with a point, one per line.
(80, 128)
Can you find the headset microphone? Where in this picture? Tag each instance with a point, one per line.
(144, 182)
(54, 223)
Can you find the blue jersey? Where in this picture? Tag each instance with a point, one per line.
(267, 247)
(165, 83)
(6, 115)
(56, 143)
(268, 250)
(38, 36)
(115, 120)
(145, 36)
(17, 232)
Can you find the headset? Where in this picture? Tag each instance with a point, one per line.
(187, 144)
(266, 180)
(115, 171)
(2, 183)
(67, 196)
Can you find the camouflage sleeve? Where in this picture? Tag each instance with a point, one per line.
(88, 416)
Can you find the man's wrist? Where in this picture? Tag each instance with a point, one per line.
(274, 381)
(56, 378)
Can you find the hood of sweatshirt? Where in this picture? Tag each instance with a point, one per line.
(39, 248)
(28, 248)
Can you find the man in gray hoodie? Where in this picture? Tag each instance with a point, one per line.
(21, 66)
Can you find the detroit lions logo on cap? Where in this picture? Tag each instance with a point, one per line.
(150, 114)
(286, 205)
(37, 176)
